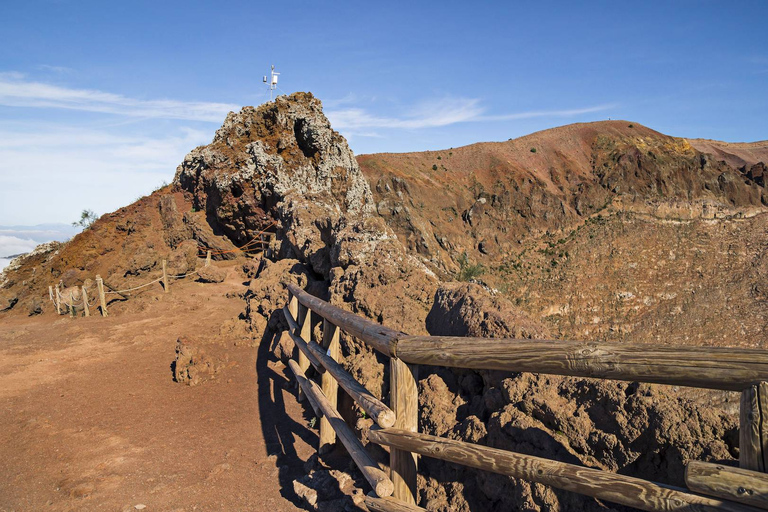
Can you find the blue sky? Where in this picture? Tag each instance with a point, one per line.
(100, 101)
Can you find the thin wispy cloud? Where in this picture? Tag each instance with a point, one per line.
(425, 115)
(17, 91)
(549, 113)
(443, 112)
(55, 69)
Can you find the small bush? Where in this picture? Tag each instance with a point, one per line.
(631, 126)
(467, 271)
(434, 167)
(87, 217)
(533, 150)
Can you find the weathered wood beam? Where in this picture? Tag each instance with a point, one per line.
(86, 308)
(377, 504)
(404, 397)
(377, 336)
(744, 486)
(166, 284)
(293, 328)
(305, 322)
(378, 479)
(603, 485)
(375, 408)
(731, 369)
(102, 299)
(328, 382)
(753, 428)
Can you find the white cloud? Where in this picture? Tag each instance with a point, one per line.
(16, 91)
(56, 69)
(430, 114)
(40, 233)
(52, 174)
(11, 245)
(443, 112)
(548, 113)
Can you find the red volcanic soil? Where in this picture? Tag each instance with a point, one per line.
(93, 420)
(736, 154)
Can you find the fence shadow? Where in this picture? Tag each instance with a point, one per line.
(278, 428)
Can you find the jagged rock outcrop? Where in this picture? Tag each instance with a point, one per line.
(466, 309)
(279, 161)
(282, 162)
(643, 430)
(192, 365)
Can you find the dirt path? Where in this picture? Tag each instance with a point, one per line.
(92, 419)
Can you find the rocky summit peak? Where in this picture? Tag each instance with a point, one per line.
(264, 156)
(280, 161)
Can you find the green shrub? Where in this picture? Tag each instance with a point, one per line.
(468, 271)
(533, 150)
(434, 167)
(87, 217)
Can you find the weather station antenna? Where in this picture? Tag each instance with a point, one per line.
(272, 81)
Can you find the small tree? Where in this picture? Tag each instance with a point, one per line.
(87, 217)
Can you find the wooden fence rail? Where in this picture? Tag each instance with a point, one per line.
(719, 487)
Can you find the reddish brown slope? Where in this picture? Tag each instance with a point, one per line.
(608, 230)
(736, 154)
(485, 198)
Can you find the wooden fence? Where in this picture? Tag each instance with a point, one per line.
(710, 486)
(75, 299)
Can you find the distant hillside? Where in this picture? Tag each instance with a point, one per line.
(736, 154)
(606, 230)
(484, 198)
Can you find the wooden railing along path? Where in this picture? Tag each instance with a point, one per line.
(710, 486)
(68, 302)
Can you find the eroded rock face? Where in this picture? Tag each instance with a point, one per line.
(280, 161)
(469, 310)
(282, 165)
(643, 430)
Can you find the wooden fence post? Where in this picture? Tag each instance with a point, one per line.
(404, 401)
(306, 333)
(50, 294)
(293, 306)
(165, 278)
(86, 309)
(329, 385)
(102, 299)
(208, 259)
(58, 301)
(71, 305)
(753, 428)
